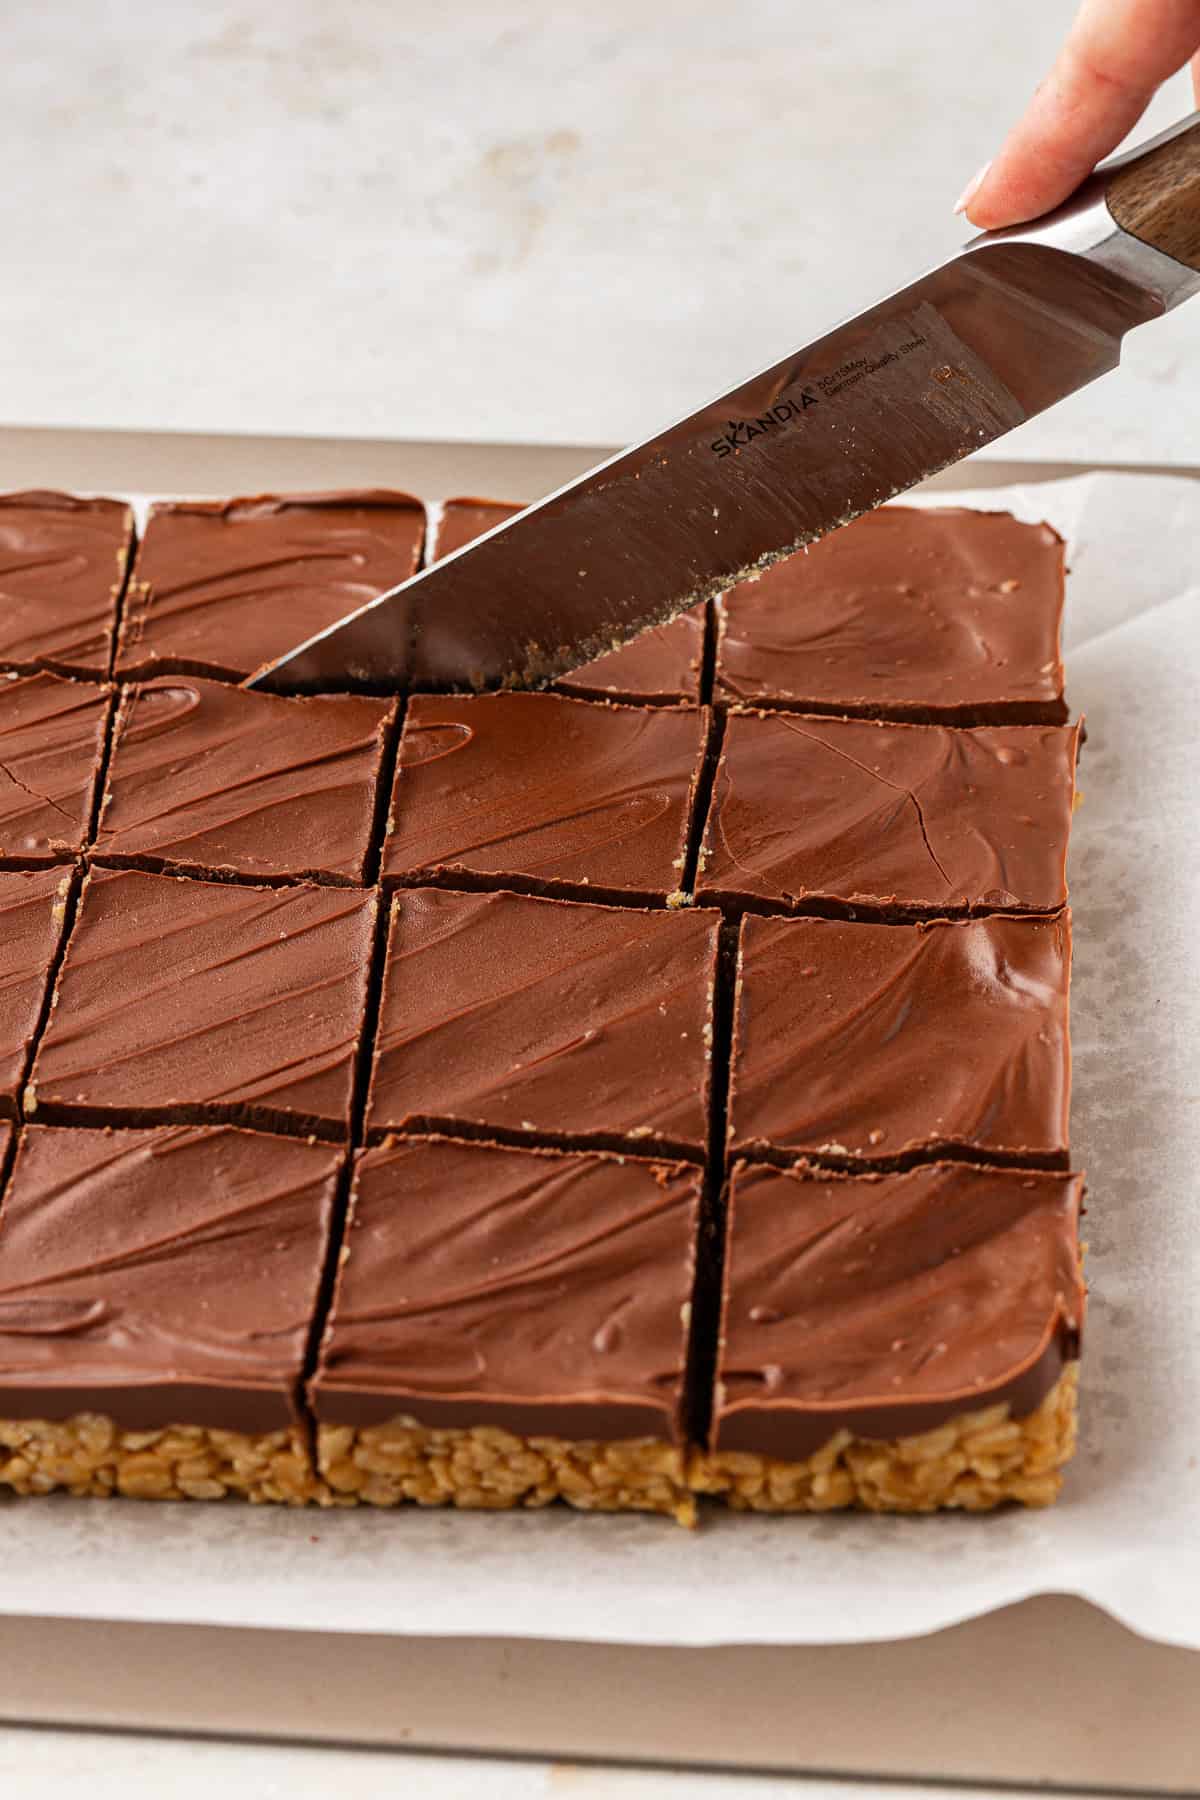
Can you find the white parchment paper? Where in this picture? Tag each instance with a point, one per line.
(1126, 1533)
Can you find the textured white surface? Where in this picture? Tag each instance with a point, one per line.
(509, 219)
(105, 1767)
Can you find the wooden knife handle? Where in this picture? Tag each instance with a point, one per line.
(1156, 197)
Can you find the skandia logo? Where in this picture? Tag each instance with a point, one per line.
(740, 432)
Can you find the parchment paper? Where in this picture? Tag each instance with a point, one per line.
(1126, 1533)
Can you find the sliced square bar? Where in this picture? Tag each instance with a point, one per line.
(206, 778)
(657, 667)
(896, 1342)
(546, 793)
(33, 908)
(221, 587)
(510, 1328)
(63, 562)
(888, 1041)
(904, 820)
(504, 1013)
(51, 742)
(195, 1002)
(156, 1295)
(948, 615)
(464, 518)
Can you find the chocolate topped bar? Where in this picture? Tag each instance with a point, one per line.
(544, 792)
(501, 1012)
(662, 664)
(883, 1041)
(540, 1293)
(32, 910)
(63, 562)
(51, 742)
(881, 1306)
(659, 665)
(463, 519)
(948, 614)
(205, 777)
(164, 1277)
(195, 1002)
(901, 819)
(221, 587)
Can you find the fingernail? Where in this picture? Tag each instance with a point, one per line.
(972, 188)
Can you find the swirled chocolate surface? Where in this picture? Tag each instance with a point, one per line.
(545, 791)
(947, 613)
(209, 777)
(32, 911)
(163, 1277)
(221, 587)
(879, 1041)
(659, 665)
(51, 741)
(479, 1285)
(193, 1002)
(502, 1012)
(884, 1305)
(63, 562)
(891, 817)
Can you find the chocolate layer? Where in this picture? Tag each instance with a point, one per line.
(196, 1002)
(658, 666)
(465, 518)
(885, 1305)
(63, 562)
(807, 811)
(883, 1041)
(505, 1012)
(545, 792)
(662, 664)
(51, 742)
(221, 587)
(211, 778)
(163, 1277)
(32, 910)
(948, 614)
(484, 1286)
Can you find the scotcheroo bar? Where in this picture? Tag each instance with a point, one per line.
(202, 1003)
(213, 780)
(947, 614)
(156, 1293)
(504, 1013)
(877, 1042)
(63, 563)
(33, 909)
(545, 793)
(510, 1327)
(51, 741)
(896, 1342)
(896, 820)
(220, 587)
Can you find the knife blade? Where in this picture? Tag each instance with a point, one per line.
(1012, 324)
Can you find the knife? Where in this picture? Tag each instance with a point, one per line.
(1013, 323)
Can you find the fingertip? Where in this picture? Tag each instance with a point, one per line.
(966, 198)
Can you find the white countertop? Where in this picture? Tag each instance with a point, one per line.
(503, 221)
(121, 1767)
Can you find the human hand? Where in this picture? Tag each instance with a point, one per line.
(1116, 54)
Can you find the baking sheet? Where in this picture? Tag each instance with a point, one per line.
(1126, 1534)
